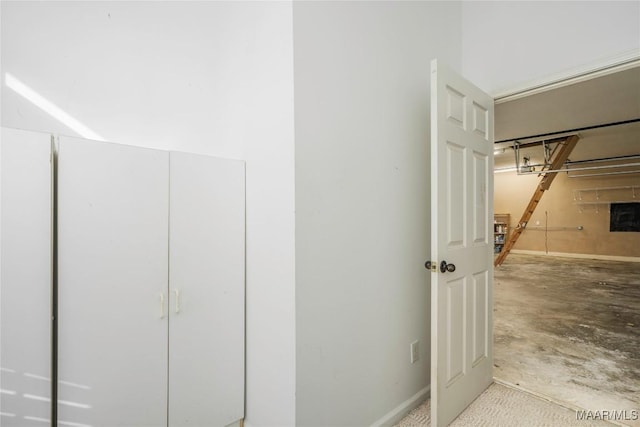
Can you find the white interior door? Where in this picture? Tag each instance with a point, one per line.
(462, 236)
(113, 203)
(206, 332)
(25, 278)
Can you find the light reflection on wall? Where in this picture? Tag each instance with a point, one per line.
(67, 383)
(12, 418)
(63, 423)
(50, 108)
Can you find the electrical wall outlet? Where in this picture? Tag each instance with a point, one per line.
(415, 351)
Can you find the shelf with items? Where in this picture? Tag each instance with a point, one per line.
(500, 231)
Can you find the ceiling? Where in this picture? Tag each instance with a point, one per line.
(607, 99)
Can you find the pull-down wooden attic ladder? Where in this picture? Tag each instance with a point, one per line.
(559, 155)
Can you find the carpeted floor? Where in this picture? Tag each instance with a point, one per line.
(503, 406)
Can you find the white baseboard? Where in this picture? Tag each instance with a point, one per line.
(583, 256)
(401, 411)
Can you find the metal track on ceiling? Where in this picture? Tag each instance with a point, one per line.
(566, 131)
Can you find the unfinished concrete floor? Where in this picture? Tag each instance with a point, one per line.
(570, 329)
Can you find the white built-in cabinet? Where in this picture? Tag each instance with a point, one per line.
(206, 321)
(113, 264)
(150, 287)
(25, 277)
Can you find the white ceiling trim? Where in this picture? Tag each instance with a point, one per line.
(611, 65)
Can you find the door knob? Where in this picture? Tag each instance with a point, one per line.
(444, 267)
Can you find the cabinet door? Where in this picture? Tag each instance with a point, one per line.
(113, 231)
(206, 338)
(25, 278)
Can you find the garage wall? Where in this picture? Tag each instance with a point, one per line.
(513, 192)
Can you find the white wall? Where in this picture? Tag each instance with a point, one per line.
(507, 45)
(206, 77)
(362, 202)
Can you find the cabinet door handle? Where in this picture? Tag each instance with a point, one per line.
(162, 305)
(177, 292)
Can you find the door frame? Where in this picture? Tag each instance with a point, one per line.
(557, 80)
